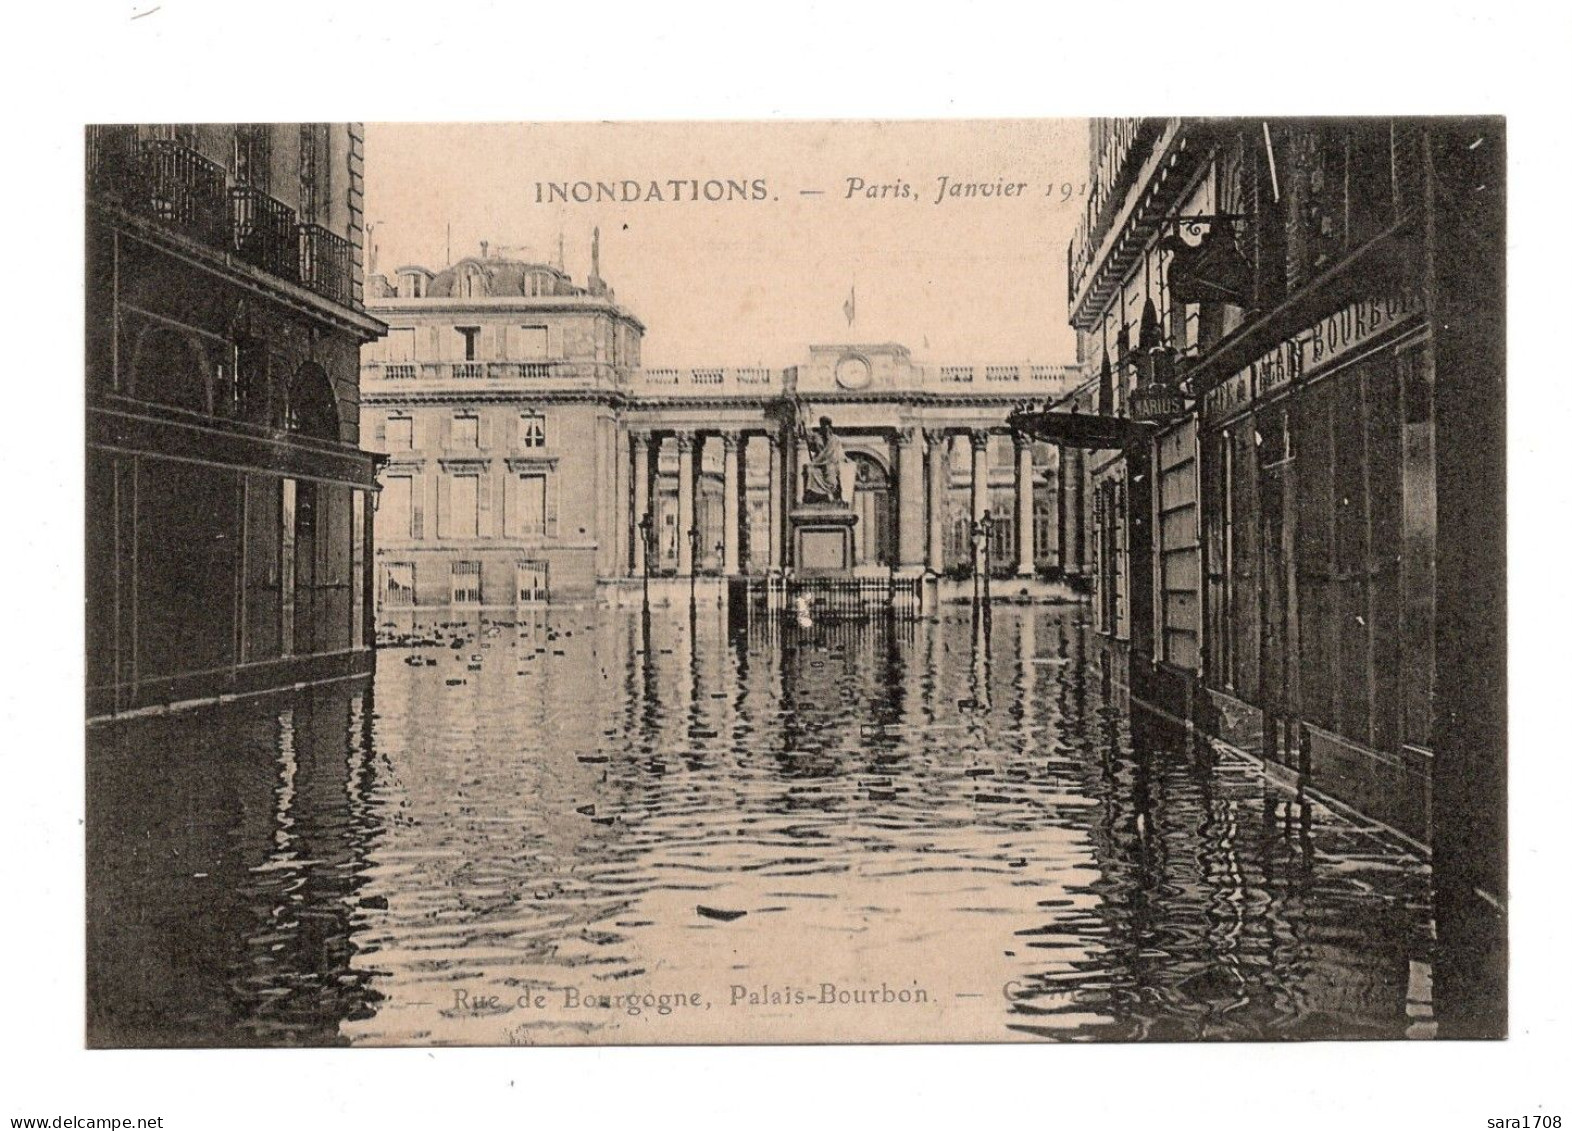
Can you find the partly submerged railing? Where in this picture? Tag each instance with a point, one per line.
(808, 599)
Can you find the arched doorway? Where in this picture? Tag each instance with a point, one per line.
(875, 533)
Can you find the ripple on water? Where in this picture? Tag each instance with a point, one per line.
(850, 803)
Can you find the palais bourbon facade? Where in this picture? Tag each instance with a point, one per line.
(526, 443)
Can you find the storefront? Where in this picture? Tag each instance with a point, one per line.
(1318, 544)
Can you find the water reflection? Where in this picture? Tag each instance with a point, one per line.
(954, 823)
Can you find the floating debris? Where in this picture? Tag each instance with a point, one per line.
(721, 914)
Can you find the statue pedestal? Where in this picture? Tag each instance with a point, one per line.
(822, 541)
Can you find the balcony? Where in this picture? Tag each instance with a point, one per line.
(523, 370)
(1043, 380)
(326, 264)
(749, 381)
(264, 232)
(440, 373)
(161, 180)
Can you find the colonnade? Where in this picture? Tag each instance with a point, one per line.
(921, 474)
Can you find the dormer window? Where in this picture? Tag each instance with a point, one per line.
(411, 284)
(472, 283)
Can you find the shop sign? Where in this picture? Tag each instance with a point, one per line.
(1156, 402)
(1234, 394)
(1320, 346)
(1353, 326)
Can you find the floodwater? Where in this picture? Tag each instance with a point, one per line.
(589, 827)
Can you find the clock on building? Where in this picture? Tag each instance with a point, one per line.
(853, 372)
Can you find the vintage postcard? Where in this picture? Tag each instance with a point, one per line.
(795, 582)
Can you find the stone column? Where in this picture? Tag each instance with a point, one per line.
(1070, 490)
(645, 450)
(731, 486)
(908, 472)
(780, 499)
(937, 487)
(621, 519)
(1025, 564)
(1050, 516)
(979, 437)
(685, 516)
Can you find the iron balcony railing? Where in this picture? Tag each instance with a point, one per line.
(326, 263)
(264, 232)
(166, 180)
(184, 189)
(159, 179)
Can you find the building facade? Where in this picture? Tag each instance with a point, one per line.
(228, 500)
(1302, 543)
(526, 443)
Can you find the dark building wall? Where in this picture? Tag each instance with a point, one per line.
(1321, 438)
(227, 500)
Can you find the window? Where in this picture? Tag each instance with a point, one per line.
(309, 173)
(471, 283)
(312, 406)
(466, 430)
(532, 587)
(530, 343)
(398, 584)
(253, 155)
(401, 344)
(470, 335)
(395, 510)
(464, 506)
(466, 583)
(411, 284)
(532, 504)
(401, 433)
(532, 430)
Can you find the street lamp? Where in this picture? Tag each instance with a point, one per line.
(647, 532)
(986, 522)
(976, 562)
(693, 565)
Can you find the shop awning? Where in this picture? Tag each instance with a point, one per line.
(1080, 429)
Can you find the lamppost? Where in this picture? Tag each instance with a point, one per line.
(647, 532)
(986, 522)
(693, 568)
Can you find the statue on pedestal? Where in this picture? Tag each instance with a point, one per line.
(824, 482)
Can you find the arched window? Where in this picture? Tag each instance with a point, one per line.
(313, 409)
(170, 369)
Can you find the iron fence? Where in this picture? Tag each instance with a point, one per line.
(826, 598)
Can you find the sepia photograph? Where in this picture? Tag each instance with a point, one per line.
(782, 582)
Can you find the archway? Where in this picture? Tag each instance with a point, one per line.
(875, 533)
(313, 409)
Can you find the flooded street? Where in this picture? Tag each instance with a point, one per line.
(586, 828)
